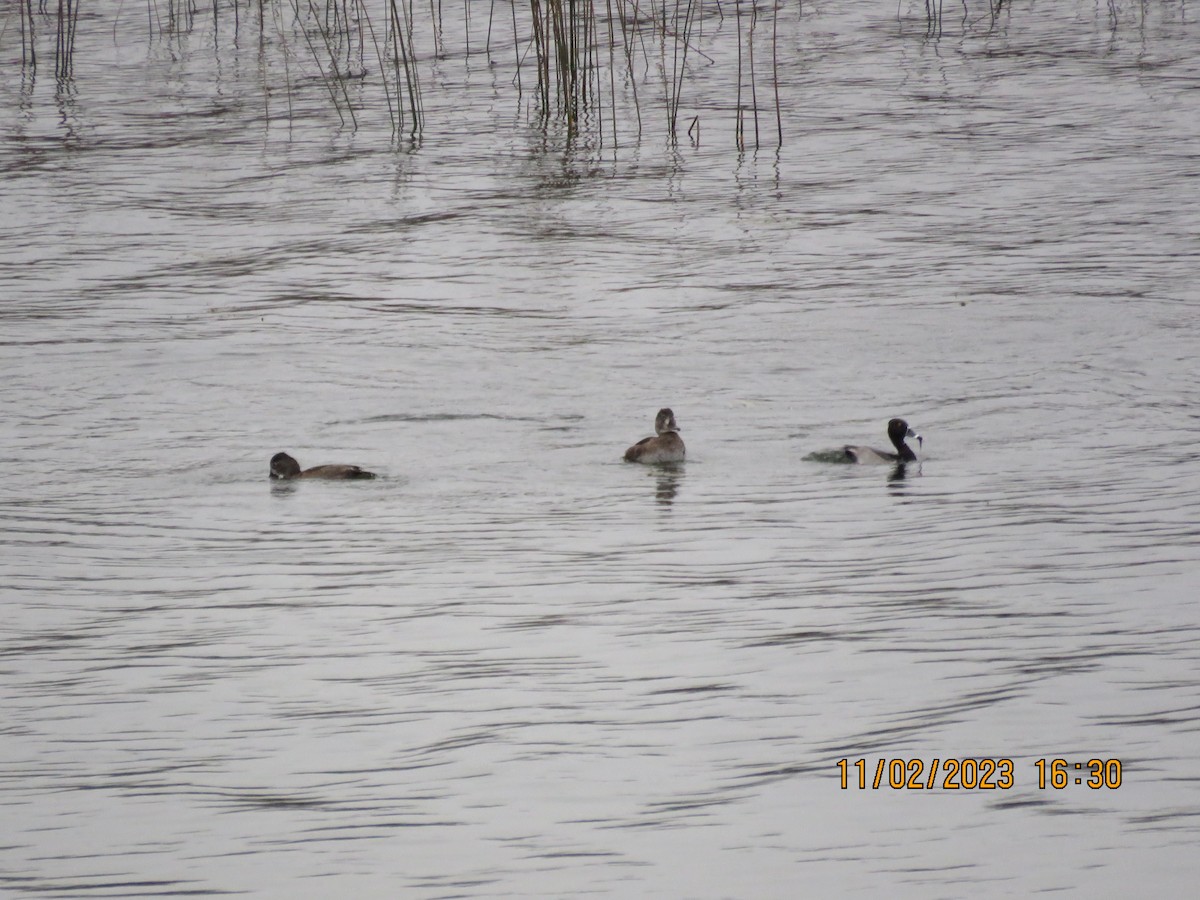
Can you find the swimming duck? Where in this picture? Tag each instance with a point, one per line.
(284, 467)
(898, 430)
(666, 447)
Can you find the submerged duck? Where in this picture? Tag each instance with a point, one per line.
(666, 447)
(898, 430)
(285, 467)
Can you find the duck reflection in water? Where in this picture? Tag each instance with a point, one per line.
(667, 484)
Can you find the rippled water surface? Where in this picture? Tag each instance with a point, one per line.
(514, 665)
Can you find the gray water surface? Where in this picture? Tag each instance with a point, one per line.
(515, 666)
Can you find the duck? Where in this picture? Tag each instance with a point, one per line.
(897, 430)
(286, 468)
(665, 447)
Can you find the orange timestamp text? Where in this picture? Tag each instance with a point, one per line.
(974, 774)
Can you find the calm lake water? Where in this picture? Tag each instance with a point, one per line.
(516, 666)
